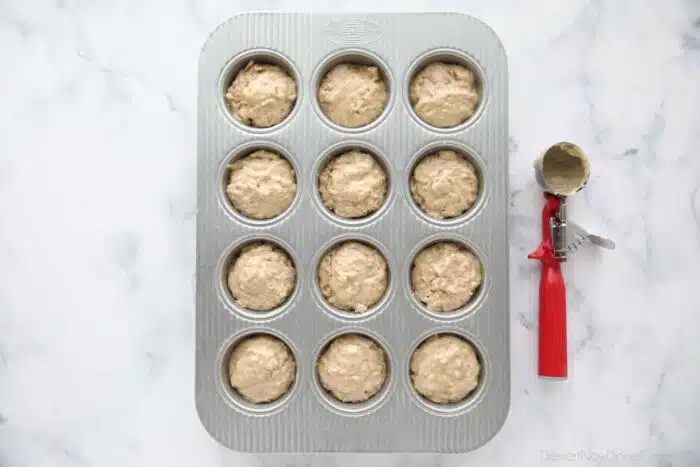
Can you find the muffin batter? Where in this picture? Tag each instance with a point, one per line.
(444, 184)
(261, 368)
(352, 368)
(445, 369)
(353, 184)
(353, 95)
(262, 277)
(261, 185)
(261, 95)
(445, 276)
(353, 276)
(444, 94)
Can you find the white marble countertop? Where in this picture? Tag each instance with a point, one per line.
(97, 201)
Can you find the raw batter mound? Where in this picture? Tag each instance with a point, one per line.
(445, 369)
(353, 276)
(444, 184)
(353, 184)
(262, 277)
(445, 276)
(261, 95)
(352, 368)
(261, 185)
(444, 94)
(261, 368)
(353, 95)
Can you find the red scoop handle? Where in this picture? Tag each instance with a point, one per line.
(552, 351)
(552, 359)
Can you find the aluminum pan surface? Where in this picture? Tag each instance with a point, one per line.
(305, 422)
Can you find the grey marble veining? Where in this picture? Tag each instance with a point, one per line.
(97, 201)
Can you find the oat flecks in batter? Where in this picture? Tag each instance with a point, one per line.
(445, 276)
(444, 94)
(261, 95)
(353, 276)
(353, 95)
(444, 184)
(353, 184)
(445, 369)
(262, 277)
(353, 368)
(261, 185)
(261, 368)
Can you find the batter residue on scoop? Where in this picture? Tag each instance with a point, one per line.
(262, 277)
(261, 185)
(353, 95)
(565, 169)
(445, 276)
(261, 368)
(444, 94)
(444, 184)
(445, 369)
(352, 368)
(353, 184)
(353, 276)
(261, 95)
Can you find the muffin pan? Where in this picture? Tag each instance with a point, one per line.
(307, 418)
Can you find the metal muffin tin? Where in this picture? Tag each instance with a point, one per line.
(306, 419)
